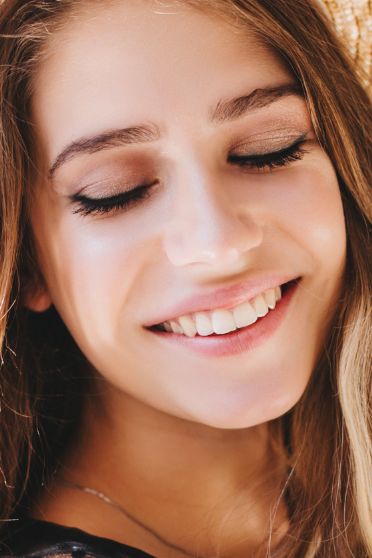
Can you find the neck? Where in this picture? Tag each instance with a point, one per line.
(178, 476)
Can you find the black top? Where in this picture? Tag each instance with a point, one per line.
(33, 538)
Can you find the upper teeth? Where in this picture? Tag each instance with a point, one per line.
(222, 321)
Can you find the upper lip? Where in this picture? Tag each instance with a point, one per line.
(225, 297)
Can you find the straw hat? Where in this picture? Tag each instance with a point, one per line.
(353, 22)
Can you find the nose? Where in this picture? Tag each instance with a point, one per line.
(208, 227)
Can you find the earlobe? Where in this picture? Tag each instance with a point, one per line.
(34, 290)
(37, 301)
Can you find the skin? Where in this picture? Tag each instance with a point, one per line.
(180, 440)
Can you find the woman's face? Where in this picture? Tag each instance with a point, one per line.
(136, 94)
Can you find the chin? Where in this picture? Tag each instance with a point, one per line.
(234, 415)
(241, 422)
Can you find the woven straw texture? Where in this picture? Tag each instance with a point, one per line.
(353, 22)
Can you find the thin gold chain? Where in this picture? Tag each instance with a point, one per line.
(123, 511)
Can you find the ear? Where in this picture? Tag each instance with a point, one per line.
(34, 292)
(37, 298)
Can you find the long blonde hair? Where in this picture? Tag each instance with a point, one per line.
(327, 436)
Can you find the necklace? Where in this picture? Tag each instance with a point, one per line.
(127, 514)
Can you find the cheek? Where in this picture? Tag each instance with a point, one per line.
(315, 220)
(309, 209)
(91, 269)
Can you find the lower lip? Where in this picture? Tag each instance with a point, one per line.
(240, 340)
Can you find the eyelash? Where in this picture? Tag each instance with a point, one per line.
(101, 206)
(272, 160)
(93, 206)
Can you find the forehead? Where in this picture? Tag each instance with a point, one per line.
(114, 66)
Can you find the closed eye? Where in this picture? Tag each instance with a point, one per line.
(95, 206)
(123, 201)
(272, 160)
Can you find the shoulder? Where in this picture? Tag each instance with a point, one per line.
(32, 538)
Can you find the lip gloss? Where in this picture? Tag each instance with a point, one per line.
(238, 341)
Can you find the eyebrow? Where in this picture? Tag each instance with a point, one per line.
(231, 109)
(224, 111)
(112, 138)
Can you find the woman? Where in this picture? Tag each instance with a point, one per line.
(185, 288)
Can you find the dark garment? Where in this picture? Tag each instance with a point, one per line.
(31, 538)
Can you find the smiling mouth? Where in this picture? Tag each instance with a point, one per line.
(221, 322)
